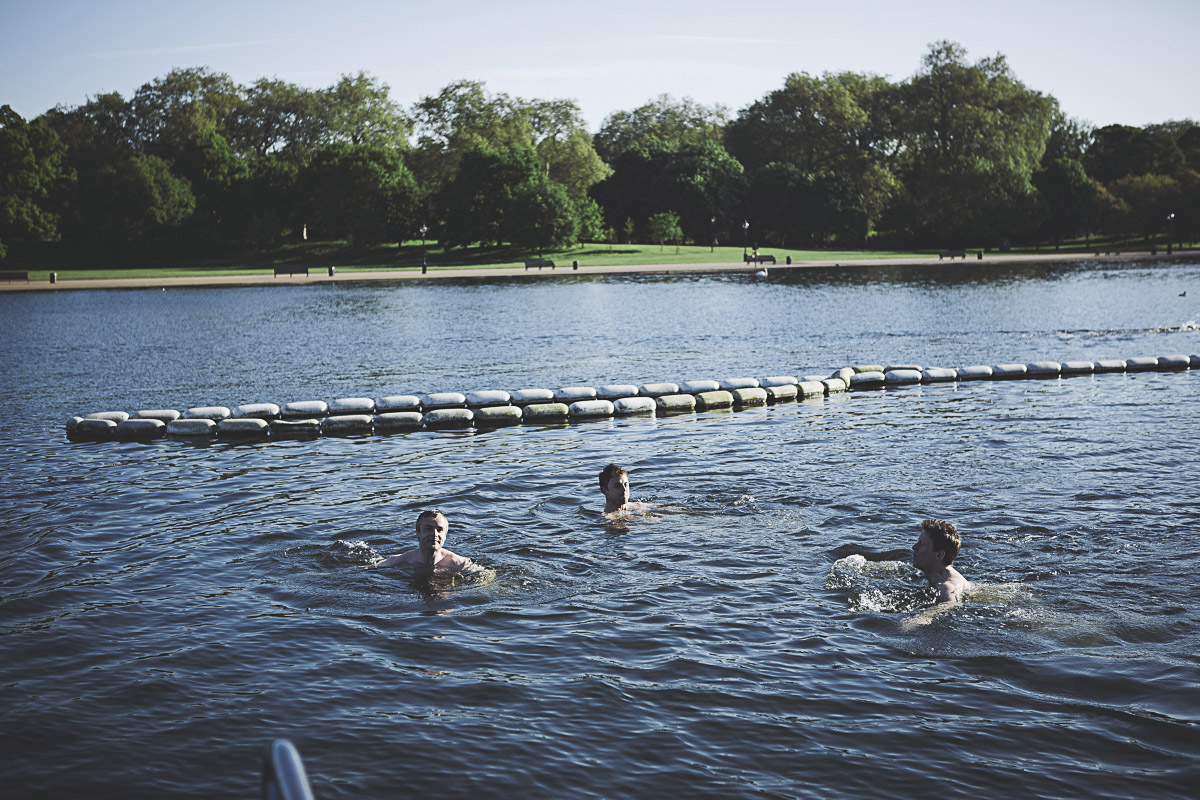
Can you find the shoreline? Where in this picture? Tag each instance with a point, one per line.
(443, 273)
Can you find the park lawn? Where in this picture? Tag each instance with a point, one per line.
(407, 257)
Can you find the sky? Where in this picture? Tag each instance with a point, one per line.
(1106, 62)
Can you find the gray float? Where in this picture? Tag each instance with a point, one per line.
(165, 415)
(939, 375)
(902, 377)
(627, 406)
(616, 391)
(398, 403)
(445, 418)
(192, 427)
(139, 429)
(675, 404)
(709, 401)
(590, 409)
(347, 423)
(545, 413)
(1043, 369)
(305, 409)
(267, 411)
(523, 397)
(353, 406)
(571, 394)
(782, 393)
(867, 380)
(215, 413)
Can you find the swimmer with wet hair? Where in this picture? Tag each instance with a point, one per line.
(934, 552)
(614, 485)
(432, 527)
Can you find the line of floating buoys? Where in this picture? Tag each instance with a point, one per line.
(496, 409)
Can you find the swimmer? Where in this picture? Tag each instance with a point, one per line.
(614, 484)
(431, 535)
(933, 554)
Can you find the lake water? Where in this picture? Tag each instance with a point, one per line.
(168, 608)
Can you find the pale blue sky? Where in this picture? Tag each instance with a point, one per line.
(1107, 62)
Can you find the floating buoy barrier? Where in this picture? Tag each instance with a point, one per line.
(191, 427)
(444, 418)
(491, 417)
(306, 409)
(784, 393)
(868, 380)
(590, 409)
(248, 428)
(628, 406)
(399, 403)
(492, 408)
(749, 397)
(139, 429)
(352, 406)
(545, 413)
(675, 404)
(709, 401)
(616, 391)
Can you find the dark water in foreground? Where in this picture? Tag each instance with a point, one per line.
(166, 609)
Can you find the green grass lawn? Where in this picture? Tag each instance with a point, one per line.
(318, 256)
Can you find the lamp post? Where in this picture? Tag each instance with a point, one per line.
(713, 221)
(424, 262)
(745, 234)
(1170, 219)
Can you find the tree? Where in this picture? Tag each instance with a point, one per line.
(360, 192)
(33, 173)
(279, 119)
(137, 200)
(1071, 201)
(840, 132)
(1118, 151)
(475, 202)
(1150, 198)
(465, 115)
(973, 136)
(665, 119)
(214, 173)
(462, 116)
(359, 111)
(664, 227)
(696, 181)
(541, 215)
(169, 112)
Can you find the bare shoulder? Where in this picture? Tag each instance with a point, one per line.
(452, 562)
(409, 557)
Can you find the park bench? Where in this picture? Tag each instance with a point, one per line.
(760, 259)
(11, 276)
(290, 271)
(953, 254)
(1112, 251)
(539, 263)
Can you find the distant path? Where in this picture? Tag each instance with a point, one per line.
(413, 274)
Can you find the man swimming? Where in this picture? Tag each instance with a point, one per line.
(614, 484)
(933, 554)
(432, 527)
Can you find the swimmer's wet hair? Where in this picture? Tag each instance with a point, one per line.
(943, 536)
(432, 512)
(608, 473)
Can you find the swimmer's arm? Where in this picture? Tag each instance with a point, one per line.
(391, 561)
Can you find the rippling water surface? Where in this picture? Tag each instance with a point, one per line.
(166, 608)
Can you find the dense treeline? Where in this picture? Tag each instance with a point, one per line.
(961, 154)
